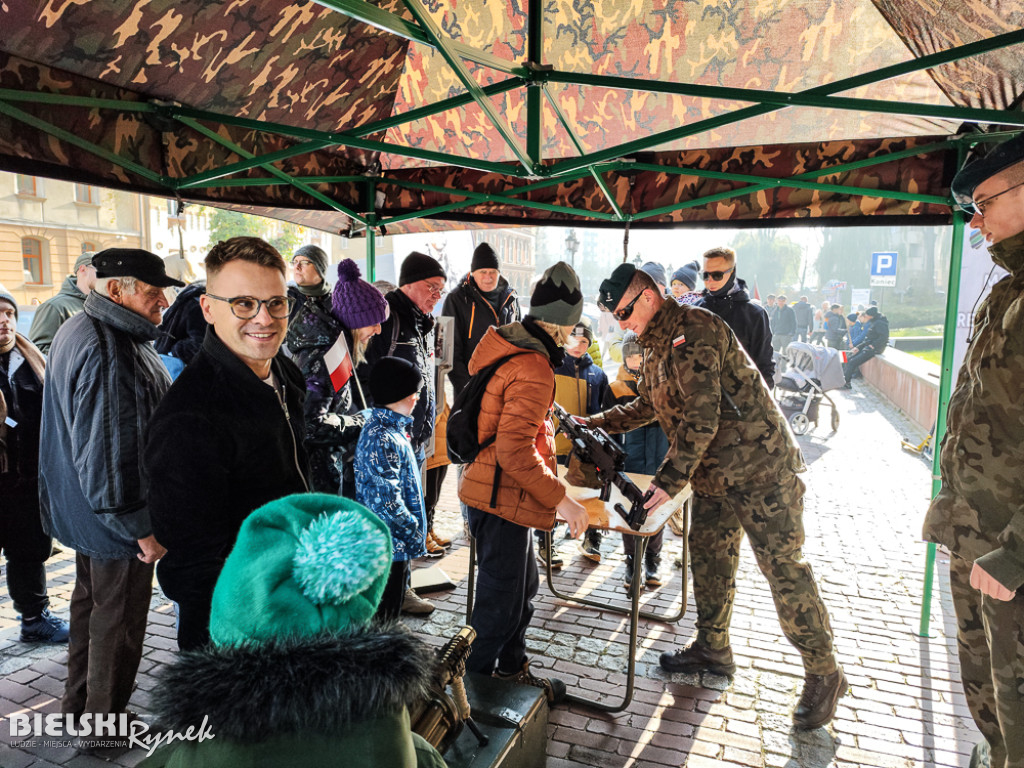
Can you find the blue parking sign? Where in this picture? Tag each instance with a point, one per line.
(883, 268)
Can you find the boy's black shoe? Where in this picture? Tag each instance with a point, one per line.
(651, 565)
(554, 689)
(591, 546)
(699, 658)
(819, 699)
(556, 561)
(45, 628)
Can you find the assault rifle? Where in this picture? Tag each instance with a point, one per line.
(595, 446)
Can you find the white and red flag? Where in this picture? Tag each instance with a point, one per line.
(339, 363)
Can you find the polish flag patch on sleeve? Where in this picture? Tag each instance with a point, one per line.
(679, 340)
(339, 363)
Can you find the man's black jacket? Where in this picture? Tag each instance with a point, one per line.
(218, 447)
(473, 316)
(749, 322)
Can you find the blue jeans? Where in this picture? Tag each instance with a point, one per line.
(505, 587)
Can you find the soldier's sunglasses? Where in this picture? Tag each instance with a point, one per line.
(247, 307)
(624, 313)
(716, 275)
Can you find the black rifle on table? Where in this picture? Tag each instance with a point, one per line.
(595, 446)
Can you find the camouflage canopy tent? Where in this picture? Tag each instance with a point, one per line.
(414, 114)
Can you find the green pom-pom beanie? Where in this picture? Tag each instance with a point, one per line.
(302, 565)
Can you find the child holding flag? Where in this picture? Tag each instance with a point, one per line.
(327, 347)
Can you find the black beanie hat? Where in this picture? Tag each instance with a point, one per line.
(418, 266)
(484, 257)
(393, 379)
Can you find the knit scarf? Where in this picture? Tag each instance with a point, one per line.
(320, 289)
(555, 353)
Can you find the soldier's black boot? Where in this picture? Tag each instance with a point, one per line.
(699, 658)
(819, 699)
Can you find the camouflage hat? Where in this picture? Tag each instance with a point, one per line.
(614, 288)
(974, 173)
(557, 297)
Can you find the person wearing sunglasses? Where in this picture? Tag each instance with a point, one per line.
(228, 436)
(979, 512)
(729, 440)
(727, 296)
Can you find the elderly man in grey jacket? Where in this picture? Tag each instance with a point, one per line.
(104, 379)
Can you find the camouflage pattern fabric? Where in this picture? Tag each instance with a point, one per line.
(727, 436)
(724, 429)
(772, 518)
(979, 512)
(989, 642)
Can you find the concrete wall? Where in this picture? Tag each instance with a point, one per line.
(910, 383)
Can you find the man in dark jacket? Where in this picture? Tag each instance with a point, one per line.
(24, 543)
(979, 512)
(227, 438)
(484, 298)
(873, 342)
(727, 296)
(804, 314)
(409, 333)
(68, 302)
(103, 383)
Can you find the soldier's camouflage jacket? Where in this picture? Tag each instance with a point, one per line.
(979, 513)
(724, 430)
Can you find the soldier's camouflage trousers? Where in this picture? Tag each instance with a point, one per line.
(772, 518)
(990, 641)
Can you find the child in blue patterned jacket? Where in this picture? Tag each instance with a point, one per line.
(387, 474)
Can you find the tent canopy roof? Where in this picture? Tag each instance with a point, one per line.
(343, 115)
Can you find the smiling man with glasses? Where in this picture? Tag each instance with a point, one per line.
(227, 438)
(979, 512)
(727, 296)
(728, 439)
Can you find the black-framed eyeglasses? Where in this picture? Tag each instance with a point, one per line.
(624, 313)
(302, 263)
(716, 275)
(978, 206)
(247, 307)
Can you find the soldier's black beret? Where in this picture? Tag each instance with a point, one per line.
(613, 289)
(973, 173)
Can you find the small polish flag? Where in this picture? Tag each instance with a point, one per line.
(339, 363)
(842, 354)
(679, 340)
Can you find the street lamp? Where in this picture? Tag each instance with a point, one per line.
(572, 244)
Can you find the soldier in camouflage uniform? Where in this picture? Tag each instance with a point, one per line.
(727, 438)
(979, 513)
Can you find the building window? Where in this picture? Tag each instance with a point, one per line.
(88, 247)
(87, 194)
(32, 260)
(30, 186)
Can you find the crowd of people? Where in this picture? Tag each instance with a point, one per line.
(262, 448)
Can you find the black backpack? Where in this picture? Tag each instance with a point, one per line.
(463, 444)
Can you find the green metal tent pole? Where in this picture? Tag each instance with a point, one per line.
(945, 386)
(371, 234)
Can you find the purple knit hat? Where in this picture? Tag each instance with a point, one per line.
(355, 302)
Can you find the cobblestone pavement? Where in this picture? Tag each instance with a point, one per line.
(866, 499)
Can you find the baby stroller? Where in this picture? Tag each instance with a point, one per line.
(812, 372)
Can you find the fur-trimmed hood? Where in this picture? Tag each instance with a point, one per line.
(255, 692)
